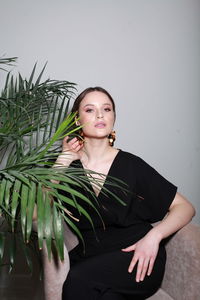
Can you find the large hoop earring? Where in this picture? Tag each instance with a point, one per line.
(112, 138)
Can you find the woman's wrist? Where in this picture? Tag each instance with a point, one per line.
(156, 233)
(64, 159)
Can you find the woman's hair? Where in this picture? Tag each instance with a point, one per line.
(82, 95)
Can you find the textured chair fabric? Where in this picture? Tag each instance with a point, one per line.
(55, 271)
(182, 275)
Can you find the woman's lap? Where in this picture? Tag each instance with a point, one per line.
(92, 278)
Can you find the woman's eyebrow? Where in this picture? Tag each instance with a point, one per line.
(88, 105)
(94, 105)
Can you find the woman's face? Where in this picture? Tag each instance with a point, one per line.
(97, 115)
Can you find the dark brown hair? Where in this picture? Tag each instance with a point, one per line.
(82, 95)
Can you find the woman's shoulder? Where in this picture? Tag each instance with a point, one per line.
(134, 160)
(130, 156)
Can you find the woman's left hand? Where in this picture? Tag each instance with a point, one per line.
(145, 252)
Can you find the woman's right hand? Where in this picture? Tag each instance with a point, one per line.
(71, 151)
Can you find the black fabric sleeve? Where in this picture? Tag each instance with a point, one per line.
(155, 192)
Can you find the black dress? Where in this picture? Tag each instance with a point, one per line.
(101, 271)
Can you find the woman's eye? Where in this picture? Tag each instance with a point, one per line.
(89, 110)
(107, 109)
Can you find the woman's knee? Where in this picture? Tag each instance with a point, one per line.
(76, 282)
(76, 287)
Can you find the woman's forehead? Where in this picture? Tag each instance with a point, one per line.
(95, 98)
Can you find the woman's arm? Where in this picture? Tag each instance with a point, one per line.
(145, 250)
(180, 213)
(70, 151)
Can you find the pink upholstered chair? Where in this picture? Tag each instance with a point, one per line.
(181, 280)
(182, 276)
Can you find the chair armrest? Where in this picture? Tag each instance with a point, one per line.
(182, 275)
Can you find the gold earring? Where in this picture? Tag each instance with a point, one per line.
(77, 121)
(112, 138)
(81, 139)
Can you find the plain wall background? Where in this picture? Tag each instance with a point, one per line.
(145, 53)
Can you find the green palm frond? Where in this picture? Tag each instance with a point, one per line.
(7, 61)
(31, 127)
(31, 110)
(28, 183)
(33, 120)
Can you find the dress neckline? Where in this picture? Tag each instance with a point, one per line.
(106, 176)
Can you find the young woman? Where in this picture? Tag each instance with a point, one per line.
(126, 259)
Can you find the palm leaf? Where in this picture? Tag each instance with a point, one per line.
(12, 250)
(48, 223)
(40, 215)
(7, 61)
(24, 200)
(33, 123)
(2, 245)
(30, 209)
(7, 194)
(2, 191)
(71, 203)
(58, 232)
(15, 201)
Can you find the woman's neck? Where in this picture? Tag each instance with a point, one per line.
(97, 150)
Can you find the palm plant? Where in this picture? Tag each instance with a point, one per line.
(32, 123)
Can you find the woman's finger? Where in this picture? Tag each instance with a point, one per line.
(129, 249)
(144, 269)
(65, 142)
(151, 264)
(139, 269)
(78, 147)
(69, 145)
(132, 264)
(74, 144)
(65, 138)
(72, 141)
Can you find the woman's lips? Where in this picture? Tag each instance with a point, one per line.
(100, 125)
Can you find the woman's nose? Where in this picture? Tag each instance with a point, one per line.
(99, 115)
